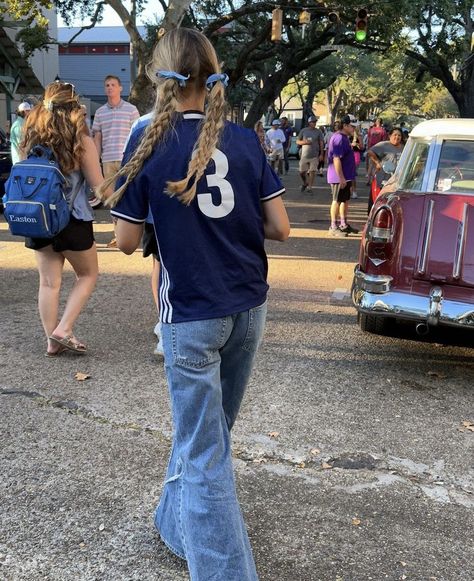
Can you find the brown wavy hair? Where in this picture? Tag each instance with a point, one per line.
(187, 52)
(58, 122)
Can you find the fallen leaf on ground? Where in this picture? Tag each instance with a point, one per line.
(326, 466)
(466, 425)
(356, 522)
(314, 451)
(81, 376)
(301, 465)
(273, 434)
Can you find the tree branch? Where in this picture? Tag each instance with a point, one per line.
(94, 20)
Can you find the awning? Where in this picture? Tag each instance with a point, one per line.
(16, 75)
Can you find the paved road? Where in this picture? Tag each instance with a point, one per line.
(351, 458)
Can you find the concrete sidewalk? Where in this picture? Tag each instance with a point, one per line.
(344, 472)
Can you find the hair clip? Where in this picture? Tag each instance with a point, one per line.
(213, 79)
(48, 105)
(172, 75)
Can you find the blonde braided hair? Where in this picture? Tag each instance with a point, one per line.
(190, 53)
(208, 139)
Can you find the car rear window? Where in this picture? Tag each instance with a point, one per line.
(456, 167)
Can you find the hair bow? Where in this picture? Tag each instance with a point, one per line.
(213, 79)
(172, 75)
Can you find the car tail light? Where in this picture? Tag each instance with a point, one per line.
(382, 225)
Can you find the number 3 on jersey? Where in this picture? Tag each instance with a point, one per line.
(218, 180)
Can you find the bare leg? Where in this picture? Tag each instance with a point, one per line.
(85, 266)
(343, 209)
(280, 166)
(50, 267)
(334, 211)
(311, 175)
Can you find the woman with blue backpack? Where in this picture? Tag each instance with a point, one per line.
(56, 129)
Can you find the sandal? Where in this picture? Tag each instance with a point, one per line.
(69, 342)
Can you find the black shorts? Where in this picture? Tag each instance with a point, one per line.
(149, 244)
(341, 194)
(78, 235)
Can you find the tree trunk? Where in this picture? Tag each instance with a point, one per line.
(465, 97)
(271, 89)
(142, 93)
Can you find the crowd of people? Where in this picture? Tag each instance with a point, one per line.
(342, 146)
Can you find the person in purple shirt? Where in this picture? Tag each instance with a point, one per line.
(341, 172)
(288, 131)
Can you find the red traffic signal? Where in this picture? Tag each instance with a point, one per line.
(361, 25)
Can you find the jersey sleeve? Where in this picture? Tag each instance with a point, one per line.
(134, 204)
(270, 184)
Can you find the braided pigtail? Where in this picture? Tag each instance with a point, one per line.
(153, 134)
(208, 139)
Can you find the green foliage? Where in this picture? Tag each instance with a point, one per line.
(25, 10)
(32, 38)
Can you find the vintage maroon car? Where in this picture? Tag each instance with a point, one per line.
(416, 260)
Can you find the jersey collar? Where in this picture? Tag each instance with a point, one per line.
(193, 115)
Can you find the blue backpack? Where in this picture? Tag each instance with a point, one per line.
(35, 201)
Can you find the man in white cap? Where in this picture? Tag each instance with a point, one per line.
(276, 138)
(17, 129)
(312, 152)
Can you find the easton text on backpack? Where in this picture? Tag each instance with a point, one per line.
(35, 202)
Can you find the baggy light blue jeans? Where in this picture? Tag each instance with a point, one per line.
(208, 364)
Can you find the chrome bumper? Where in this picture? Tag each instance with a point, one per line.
(369, 297)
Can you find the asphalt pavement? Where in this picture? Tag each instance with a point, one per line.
(353, 453)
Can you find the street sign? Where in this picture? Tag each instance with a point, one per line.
(332, 46)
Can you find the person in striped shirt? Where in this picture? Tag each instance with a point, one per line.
(111, 127)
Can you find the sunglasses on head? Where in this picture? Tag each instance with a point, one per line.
(73, 87)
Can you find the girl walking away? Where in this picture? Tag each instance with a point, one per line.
(58, 122)
(214, 199)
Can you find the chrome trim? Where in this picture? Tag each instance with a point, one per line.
(381, 234)
(373, 283)
(460, 243)
(426, 238)
(411, 307)
(436, 299)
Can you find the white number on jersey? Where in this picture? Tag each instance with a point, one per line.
(218, 180)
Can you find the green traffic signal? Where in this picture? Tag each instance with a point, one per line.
(361, 25)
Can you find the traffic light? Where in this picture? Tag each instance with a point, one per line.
(361, 25)
(277, 23)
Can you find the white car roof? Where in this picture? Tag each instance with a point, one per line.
(452, 127)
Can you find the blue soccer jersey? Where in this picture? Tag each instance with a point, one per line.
(212, 256)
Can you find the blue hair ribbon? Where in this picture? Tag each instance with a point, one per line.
(213, 79)
(172, 75)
